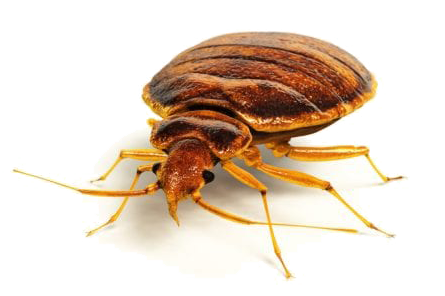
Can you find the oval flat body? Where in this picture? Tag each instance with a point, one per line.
(273, 82)
(225, 136)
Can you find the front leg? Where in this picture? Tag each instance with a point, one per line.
(280, 149)
(138, 154)
(115, 216)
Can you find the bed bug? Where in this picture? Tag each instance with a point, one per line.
(222, 98)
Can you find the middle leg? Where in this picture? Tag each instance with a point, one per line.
(251, 181)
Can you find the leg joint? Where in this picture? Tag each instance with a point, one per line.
(251, 156)
(142, 169)
(328, 186)
(122, 153)
(196, 199)
(281, 149)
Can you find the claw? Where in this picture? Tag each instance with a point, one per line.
(97, 180)
(389, 235)
(394, 178)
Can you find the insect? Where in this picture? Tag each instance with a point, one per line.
(222, 98)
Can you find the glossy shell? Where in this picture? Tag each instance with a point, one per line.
(273, 82)
(225, 136)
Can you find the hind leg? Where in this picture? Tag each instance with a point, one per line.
(280, 149)
(252, 157)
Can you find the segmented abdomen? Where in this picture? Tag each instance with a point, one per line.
(271, 81)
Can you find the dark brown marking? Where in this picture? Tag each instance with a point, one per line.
(259, 98)
(301, 53)
(321, 96)
(328, 72)
(299, 61)
(224, 135)
(312, 89)
(253, 68)
(292, 42)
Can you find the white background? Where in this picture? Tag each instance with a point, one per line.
(207, 246)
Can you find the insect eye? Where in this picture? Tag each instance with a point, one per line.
(155, 167)
(208, 176)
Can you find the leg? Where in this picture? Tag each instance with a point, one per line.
(252, 157)
(141, 169)
(229, 216)
(152, 121)
(251, 181)
(139, 154)
(237, 219)
(280, 149)
(150, 189)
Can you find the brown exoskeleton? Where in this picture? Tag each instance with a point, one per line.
(223, 97)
